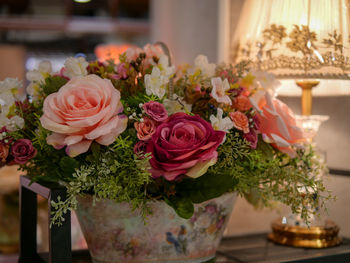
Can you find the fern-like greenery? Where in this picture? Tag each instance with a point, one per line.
(116, 174)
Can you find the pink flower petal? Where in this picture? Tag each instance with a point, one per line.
(73, 139)
(56, 127)
(109, 138)
(170, 176)
(78, 148)
(56, 140)
(103, 129)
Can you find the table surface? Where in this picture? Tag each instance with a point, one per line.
(251, 249)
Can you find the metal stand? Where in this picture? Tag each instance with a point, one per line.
(60, 248)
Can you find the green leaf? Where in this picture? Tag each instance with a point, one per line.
(53, 84)
(182, 206)
(68, 165)
(206, 187)
(96, 150)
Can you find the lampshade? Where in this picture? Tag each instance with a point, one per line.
(295, 39)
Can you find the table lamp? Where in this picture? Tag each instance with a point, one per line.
(306, 44)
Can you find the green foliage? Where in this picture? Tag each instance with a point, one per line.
(53, 84)
(263, 175)
(205, 187)
(114, 173)
(68, 165)
(183, 206)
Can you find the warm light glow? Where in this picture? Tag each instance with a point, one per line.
(82, 1)
(110, 52)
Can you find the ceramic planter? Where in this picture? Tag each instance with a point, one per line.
(116, 234)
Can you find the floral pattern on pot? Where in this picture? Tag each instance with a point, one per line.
(115, 233)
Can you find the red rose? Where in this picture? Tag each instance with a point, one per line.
(22, 151)
(184, 144)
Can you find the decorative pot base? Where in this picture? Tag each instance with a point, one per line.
(114, 233)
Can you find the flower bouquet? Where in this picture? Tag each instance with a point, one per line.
(152, 155)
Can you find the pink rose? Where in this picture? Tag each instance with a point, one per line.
(85, 109)
(184, 144)
(22, 151)
(156, 111)
(145, 129)
(278, 125)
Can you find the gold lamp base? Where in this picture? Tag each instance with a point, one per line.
(298, 236)
(306, 96)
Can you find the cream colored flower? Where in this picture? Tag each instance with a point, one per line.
(156, 83)
(76, 67)
(12, 124)
(207, 69)
(10, 84)
(219, 123)
(163, 65)
(37, 78)
(219, 90)
(177, 104)
(8, 95)
(6, 101)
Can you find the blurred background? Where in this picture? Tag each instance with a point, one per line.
(35, 30)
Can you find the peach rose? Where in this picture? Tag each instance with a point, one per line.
(278, 125)
(145, 129)
(242, 103)
(240, 121)
(85, 109)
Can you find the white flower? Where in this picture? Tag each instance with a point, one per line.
(37, 77)
(76, 67)
(177, 104)
(219, 123)
(219, 90)
(6, 101)
(206, 68)
(156, 82)
(10, 84)
(8, 94)
(12, 124)
(163, 65)
(266, 82)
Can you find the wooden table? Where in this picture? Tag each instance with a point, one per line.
(251, 249)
